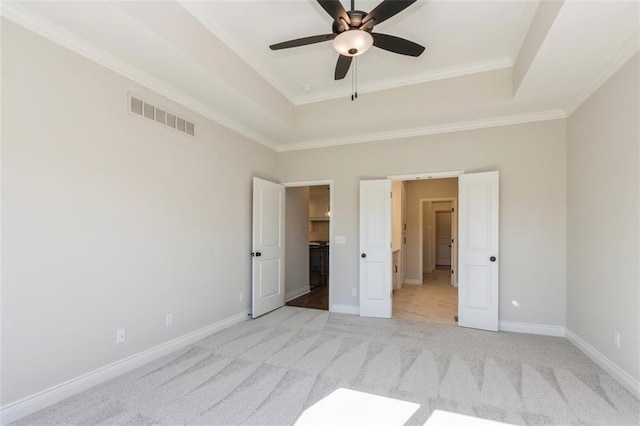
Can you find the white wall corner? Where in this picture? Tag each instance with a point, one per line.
(297, 293)
(345, 309)
(624, 378)
(32, 403)
(531, 328)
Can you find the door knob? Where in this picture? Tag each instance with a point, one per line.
(492, 258)
(363, 255)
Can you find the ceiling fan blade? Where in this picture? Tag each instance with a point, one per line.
(386, 10)
(397, 45)
(335, 9)
(342, 67)
(302, 41)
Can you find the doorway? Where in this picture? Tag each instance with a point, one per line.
(308, 236)
(429, 291)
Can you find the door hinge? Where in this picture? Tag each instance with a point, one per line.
(391, 195)
(452, 209)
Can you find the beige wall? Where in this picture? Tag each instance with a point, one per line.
(110, 221)
(416, 191)
(297, 241)
(602, 215)
(531, 159)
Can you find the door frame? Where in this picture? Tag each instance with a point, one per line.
(321, 182)
(436, 235)
(454, 233)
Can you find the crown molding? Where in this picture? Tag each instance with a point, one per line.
(428, 130)
(615, 62)
(54, 33)
(442, 74)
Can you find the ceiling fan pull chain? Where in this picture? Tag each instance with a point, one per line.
(353, 80)
(356, 73)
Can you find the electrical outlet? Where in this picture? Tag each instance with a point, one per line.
(168, 320)
(241, 296)
(616, 339)
(120, 335)
(354, 291)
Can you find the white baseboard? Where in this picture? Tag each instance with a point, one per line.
(345, 309)
(296, 293)
(630, 383)
(530, 328)
(25, 406)
(411, 281)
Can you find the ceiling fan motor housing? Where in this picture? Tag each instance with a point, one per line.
(356, 17)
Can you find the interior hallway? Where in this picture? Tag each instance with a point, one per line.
(435, 300)
(317, 298)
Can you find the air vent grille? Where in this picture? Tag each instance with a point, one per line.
(144, 109)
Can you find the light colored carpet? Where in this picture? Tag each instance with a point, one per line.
(435, 300)
(269, 370)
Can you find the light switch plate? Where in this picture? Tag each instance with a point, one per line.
(340, 239)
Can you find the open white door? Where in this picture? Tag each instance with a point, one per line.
(375, 248)
(267, 247)
(478, 250)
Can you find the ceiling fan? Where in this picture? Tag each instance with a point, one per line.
(352, 36)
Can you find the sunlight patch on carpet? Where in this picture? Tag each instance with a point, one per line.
(349, 407)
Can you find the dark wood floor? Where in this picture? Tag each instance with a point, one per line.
(318, 298)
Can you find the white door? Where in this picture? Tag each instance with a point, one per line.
(478, 250)
(443, 237)
(375, 248)
(267, 247)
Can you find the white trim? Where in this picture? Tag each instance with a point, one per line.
(420, 176)
(345, 309)
(23, 407)
(626, 52)
(428, 130)
(532, 328)
(411, 281)
(624, 378)
(293, 294)
(308, 183)
(393, 83)
(100, 56)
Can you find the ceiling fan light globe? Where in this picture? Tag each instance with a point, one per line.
(352, 42)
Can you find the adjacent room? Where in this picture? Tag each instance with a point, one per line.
(427, 253)
(320, 212)
(308, 213)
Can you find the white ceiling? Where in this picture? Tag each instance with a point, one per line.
(214, 58)
(458, 36)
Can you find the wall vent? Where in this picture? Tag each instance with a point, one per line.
(144, 109)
